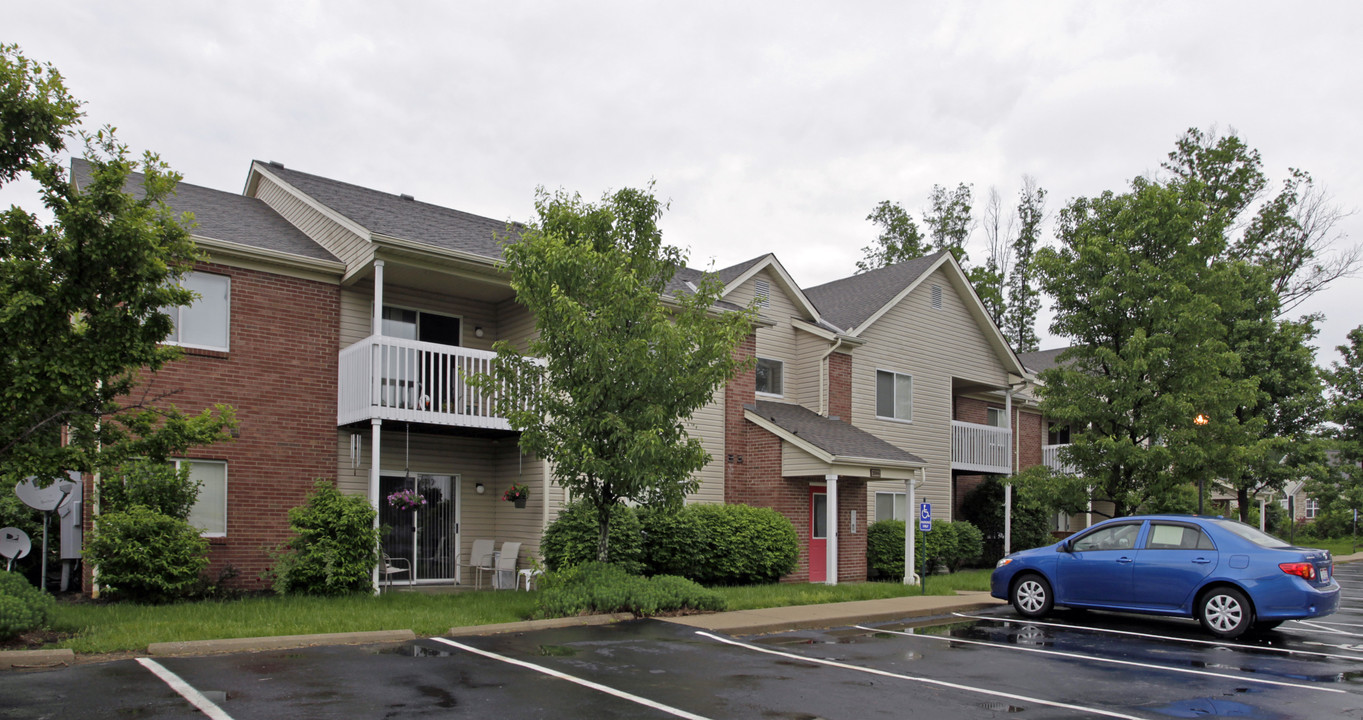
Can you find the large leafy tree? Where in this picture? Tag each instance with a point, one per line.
(1024, 297)
(899, 238)
(618, 366)
(1341, 491)
(82, 293)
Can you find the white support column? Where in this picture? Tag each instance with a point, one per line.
(1008, 487)
(375, 429)
(377, 326)
(831, 521)
(910, 513)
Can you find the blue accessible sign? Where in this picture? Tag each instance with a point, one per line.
(925, 517)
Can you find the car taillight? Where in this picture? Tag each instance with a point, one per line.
(1300, 569)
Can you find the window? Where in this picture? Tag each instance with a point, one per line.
(1312, 508)
(1058, 435)
(203, 323)
(1112, 537)
(769, 376)
(894, 395)
(995, 417)
(420, 325)
(1177, 537)
(762, 294)
(890, 506)
(210, 512)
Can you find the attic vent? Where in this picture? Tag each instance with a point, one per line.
(405, 196)
(276, 164)
(763, 294)
(937, 297)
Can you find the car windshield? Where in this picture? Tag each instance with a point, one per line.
(1252, 534)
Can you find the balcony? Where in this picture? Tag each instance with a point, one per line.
(980, 448)
(1050, 457)
(412, 381)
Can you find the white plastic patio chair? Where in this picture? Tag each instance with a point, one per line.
(481, 558)
(396, 566)
(505, 577)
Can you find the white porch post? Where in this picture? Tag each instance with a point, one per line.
(831, 520)
(375, 424)
(910, 512)
(1008, 488)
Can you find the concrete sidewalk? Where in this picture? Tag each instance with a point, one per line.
(804, 617)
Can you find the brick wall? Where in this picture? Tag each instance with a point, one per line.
(840, 386)
(280, 375)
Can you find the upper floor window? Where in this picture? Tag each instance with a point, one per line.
(894, 395)
(1058, 435)
(1312, 508)
(204, 322)
(770, 380)
(209, 513)
(420, 325)
(996, 417)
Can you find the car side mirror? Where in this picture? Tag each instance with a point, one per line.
(1065, 546)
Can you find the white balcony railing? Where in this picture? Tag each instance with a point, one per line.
(1050, 457)
(981, 448)
(396, 379)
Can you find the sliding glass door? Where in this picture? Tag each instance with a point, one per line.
(421, 525)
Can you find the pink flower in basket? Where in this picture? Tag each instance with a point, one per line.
(406, 500)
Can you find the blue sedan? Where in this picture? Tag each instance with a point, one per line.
(1228, 575)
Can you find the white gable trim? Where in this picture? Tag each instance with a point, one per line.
(787, 283)
(257, 169)
(973, 305)
(819, 453)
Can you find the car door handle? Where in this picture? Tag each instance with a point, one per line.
(1201, 561)
(1123, 559)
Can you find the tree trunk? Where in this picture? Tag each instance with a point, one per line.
(603, 533)
(1242, 500)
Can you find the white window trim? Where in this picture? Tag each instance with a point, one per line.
(782, 364)
(174, 312)
(1311, 508)
(876, 393)
(223, 463)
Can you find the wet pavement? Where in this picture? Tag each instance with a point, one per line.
(972, 665)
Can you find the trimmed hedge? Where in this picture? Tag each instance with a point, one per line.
(710, 544)
(335, 547)
(146, 556)
(954, 544)
(607, 588)
(22, 606)
(571, 539)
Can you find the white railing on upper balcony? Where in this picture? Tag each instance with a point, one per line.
(396, 379)
(1050, 457)
(982, 448)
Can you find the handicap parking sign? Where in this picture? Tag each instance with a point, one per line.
(925, 517)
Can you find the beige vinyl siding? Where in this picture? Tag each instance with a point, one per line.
(352, 249)
(515, 324)
(778, 342)
(798, 463)
(357, 313)
(708, 425)
(805, 377)
(933, 346)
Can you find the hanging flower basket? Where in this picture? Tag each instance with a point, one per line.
(517, 494)
(406, 500)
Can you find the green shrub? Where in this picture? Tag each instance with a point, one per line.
(1031, 518)
(592, 588)
(743, 545)
(22, 606)
(672, 541)
(156, 485)
(571, 538)
(145, 556)
(335, 546)
(953, 544)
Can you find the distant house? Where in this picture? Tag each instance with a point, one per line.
(341, 322)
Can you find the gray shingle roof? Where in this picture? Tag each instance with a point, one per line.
(399, 217)
(850, 301)
(226, 216)
(1041, 359)
(834, 437)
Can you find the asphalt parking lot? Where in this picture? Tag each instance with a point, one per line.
(994, 664)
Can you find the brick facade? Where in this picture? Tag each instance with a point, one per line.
(840, 386)
(280, 376)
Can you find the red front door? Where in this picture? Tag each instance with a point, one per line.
(818, 534)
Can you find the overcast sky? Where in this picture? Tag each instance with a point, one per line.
(771, 127)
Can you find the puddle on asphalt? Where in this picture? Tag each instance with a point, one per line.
(416, 651)
(1209, 707)
(1000, 707)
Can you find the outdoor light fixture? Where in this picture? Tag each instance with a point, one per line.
(478, 488)
(478, 332)
(1201, 419)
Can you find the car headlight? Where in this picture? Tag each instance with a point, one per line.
(1002, 562)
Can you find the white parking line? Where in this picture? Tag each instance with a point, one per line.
(1171, 638)
(1323, 622)
(1113, 661)
(1328, 629)
(585, 683)
(186, 690)
(915, 678)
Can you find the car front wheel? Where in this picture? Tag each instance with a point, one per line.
(1225, 613)
(1032, 597)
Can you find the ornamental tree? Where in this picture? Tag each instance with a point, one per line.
(619, 363)
(83, 292)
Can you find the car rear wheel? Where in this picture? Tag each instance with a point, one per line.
(1032, 597)
(1225, 612)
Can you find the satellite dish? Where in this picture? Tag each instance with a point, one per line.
(46, 499)
(14, 543)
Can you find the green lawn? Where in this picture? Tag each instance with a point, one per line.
(1338, 546)
(115, 627)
